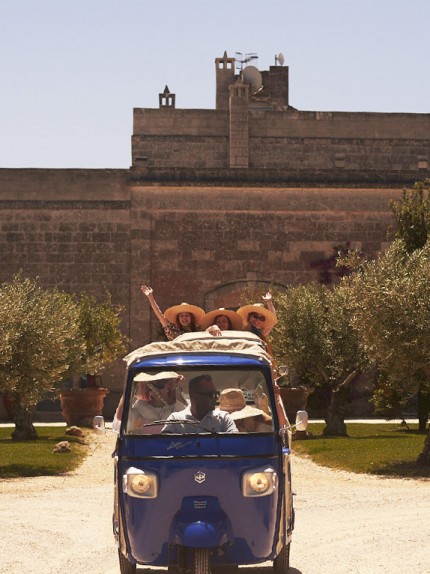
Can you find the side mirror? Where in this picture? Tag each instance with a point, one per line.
(302, 421)
(99, 424)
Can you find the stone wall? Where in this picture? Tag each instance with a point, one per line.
(367, 144)
(202, 245)
(98, 230)
(171, 138)
(69, 227)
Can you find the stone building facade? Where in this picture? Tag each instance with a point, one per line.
(252, 192)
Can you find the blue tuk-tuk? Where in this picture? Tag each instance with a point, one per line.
(200, 500)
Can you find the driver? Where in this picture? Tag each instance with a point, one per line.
(157, 398)
(201, 415)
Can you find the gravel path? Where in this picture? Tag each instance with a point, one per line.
(345, 523)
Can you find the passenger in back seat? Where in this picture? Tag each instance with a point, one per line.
(176, 320)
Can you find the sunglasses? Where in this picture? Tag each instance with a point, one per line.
(258, 317)
(160, 386)
(209, 394)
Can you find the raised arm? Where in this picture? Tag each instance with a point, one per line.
(267, 298)
(146, 290)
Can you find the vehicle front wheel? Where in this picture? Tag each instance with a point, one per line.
(125, 567)
(281, 564)
(201, 561)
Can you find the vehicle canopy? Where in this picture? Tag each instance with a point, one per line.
(235, 342)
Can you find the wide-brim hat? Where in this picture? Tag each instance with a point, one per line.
(259, 308)
(172, 312)
(151, 377)
(235, 319)
(246, 412)
(233, 401)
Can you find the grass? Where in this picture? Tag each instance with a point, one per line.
(383, 449)
(35, 457)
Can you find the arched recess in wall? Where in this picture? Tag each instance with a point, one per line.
(228, 295)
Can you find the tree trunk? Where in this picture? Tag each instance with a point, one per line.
(335, 419)
(335, 416)
(23, 419)
(423, 410)
(424, 457)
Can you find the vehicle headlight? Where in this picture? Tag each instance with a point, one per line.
(259, 482)
(140, 483)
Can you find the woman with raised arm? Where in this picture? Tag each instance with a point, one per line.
(176, 320)
(257, 318)
(260, 320)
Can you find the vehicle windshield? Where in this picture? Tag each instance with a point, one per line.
(190, 400)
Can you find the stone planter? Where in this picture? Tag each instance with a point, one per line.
(294, 399)
(80, 406)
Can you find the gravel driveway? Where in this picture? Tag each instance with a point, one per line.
(345, 523)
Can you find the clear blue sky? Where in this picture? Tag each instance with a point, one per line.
(73, 70)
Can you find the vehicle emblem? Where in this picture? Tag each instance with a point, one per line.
(199, 477)
(177, 445)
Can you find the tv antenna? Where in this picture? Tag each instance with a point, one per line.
(245, 58)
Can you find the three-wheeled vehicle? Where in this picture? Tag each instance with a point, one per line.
(201, 500)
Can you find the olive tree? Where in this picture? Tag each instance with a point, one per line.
(314, 337)
(40, 342)
(390, 305)
(412, 217)
(100, 327)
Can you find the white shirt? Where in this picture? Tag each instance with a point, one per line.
(143, 413)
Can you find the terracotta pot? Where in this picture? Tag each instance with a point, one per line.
(294, 399)
(80, 406)
(94, 381)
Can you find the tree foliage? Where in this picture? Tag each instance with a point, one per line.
(390, 304)
(390, 299)
(314, 338)
(41, 341)
(412, 215)
(100, 327)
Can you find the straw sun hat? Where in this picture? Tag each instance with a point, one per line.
(172, 312)
(260, 309)
(233, 401)
(209, 318)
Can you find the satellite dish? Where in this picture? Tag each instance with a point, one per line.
(280, 58)
(252, 76)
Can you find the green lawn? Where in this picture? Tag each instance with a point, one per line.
(35, 458)
(385, 449)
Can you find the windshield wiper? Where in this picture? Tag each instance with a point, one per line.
(171, 421)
